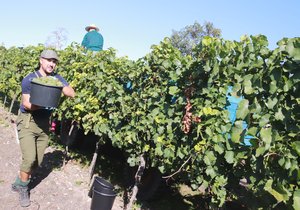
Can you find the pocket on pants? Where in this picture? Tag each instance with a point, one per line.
(23, 121)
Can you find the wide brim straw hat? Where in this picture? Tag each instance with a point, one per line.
(92, 26)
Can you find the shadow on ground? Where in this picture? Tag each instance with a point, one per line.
(154, 193)
(52, 160)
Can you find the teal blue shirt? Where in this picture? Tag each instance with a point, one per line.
(93, 40)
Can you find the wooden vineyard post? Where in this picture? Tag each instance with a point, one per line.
(93, 163)
(12, 103)
(138, 177)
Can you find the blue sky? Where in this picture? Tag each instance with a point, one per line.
(132, 26)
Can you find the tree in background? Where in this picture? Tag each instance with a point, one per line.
(190, 36)
(57, 39)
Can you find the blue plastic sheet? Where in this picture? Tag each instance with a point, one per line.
(232, 108)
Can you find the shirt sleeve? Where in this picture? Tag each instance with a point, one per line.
(60, 78)
(84, 41)
(26, 84)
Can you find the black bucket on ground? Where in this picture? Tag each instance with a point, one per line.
(100, 185)
(102, 201)
(45, 95)
(103, 194)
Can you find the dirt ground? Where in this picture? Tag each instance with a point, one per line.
(53, 186)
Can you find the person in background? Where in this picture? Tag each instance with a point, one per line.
(33, 125)
(92, 40)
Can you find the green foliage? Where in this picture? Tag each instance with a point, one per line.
(140, 105)
(269, 82)
(16, 63)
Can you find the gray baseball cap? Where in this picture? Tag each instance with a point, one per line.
(48, 54)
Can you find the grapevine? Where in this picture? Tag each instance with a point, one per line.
(170, 109)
